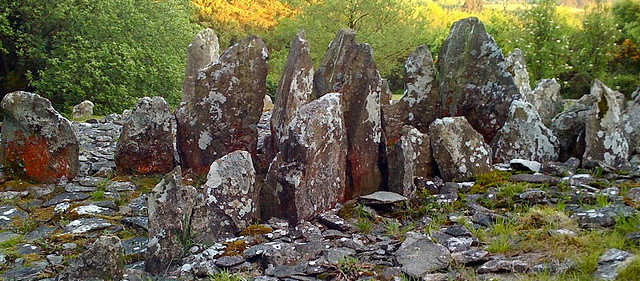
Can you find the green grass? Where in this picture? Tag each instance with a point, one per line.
(226, 276)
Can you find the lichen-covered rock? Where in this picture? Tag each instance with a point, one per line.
(308, 174)
(348, 68)
(569, 125)
(459, 151)
(145, 145)
(103, 260)
(228, 201)
(524, 136)
(418, 106)
(472, 79)
(546, 99)
(410, 158)
(517, 66)
(170, 207)
(604, 136)
(631, 123)
(294, 89)
(201, 52)
(83, 110)
(222, 116)
(37, 142)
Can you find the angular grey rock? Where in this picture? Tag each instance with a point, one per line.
(631, 123)
(569, 126)
(348, 68)
(419, 105)
(170, 207)
(83, 110)
(103, 260)
(145, 146)
(604, 136)
(525, 165)
(472, 78)
(534, 178)
(294, 89)
(459, 151)
(85, 225)
(308, 174)
(222, 116)
(517, 67)
(410, 158)
(524, 136)
(382, 198)
(503, 265)
(546, 99)
(200, 53)
(228, 201)
(611, 262)
(37, 142)
(422, 256)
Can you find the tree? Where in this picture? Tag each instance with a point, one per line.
(109, 51)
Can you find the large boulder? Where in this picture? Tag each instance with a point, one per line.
(228, 201)
(459, 151)
(201, 52)
(226, 108)
(568, 126)
(604, 136)
(546, 99)
(170, 207)
(418, 106)
(410, 159)
(524, 136)
(348, 68)
(309, 173)
(631, 122)
(294, 89)
(472, 78)
(83, 110)
(104, 260)
(517, 67)
(37, 142)
(145, 145)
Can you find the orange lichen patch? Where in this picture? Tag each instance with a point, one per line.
(256, 229)
(234, 248)
(30, 156)
(121, 178)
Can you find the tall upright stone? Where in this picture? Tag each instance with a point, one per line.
(473, 80)
(228, 201)
(295, 87)
(223, 115)
(37, 142)
(145, 146)
(348, 68)
(201, 52)
(631, 122)
(308, 174)
(569, 127)
(459, 151)
(410, 159)
(524, 136)
(604, 137)
(546, 99)
(419, 104)
(517, 66)
(170, 207)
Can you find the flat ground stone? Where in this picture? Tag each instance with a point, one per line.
(382, 198)
(85, 225)
(25, 273)
(119, 186)
(229, 261)
(422, 257)
(41, 232)
(8, 235)
(73, 188)
(534, 178)
(525, 165)
(141, 222)
(9, 213)
(502, 265)
(611, 262)
(135, 246)
(93, 210)
(66, 197)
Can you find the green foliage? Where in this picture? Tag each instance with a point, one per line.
(226, 276)
(109, 51)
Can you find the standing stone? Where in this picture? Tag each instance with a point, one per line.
(170, 206)
(631, 122)
(145, 145)
(472, 78)
(37, 142)
(418, 106)
(201, 52)
(103, 260)
(604, 136)
(524, 136)
(308, 174)
(228, 201)
(227, 106)
(546, 99)
(294, 89)
(410, 159)
(459, 151)
(517, 67)
(348, 68)
(83, 110)
(569, 125)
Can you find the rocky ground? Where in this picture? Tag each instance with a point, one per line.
(510, 224)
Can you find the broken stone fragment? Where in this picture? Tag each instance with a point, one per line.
(411, 158)
(37, 143)
(145, 146)
(83, 110)
(103, 260)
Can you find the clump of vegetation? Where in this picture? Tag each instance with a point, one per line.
(492, 179)
(234, 248)
(224, 275)
(256, 229)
